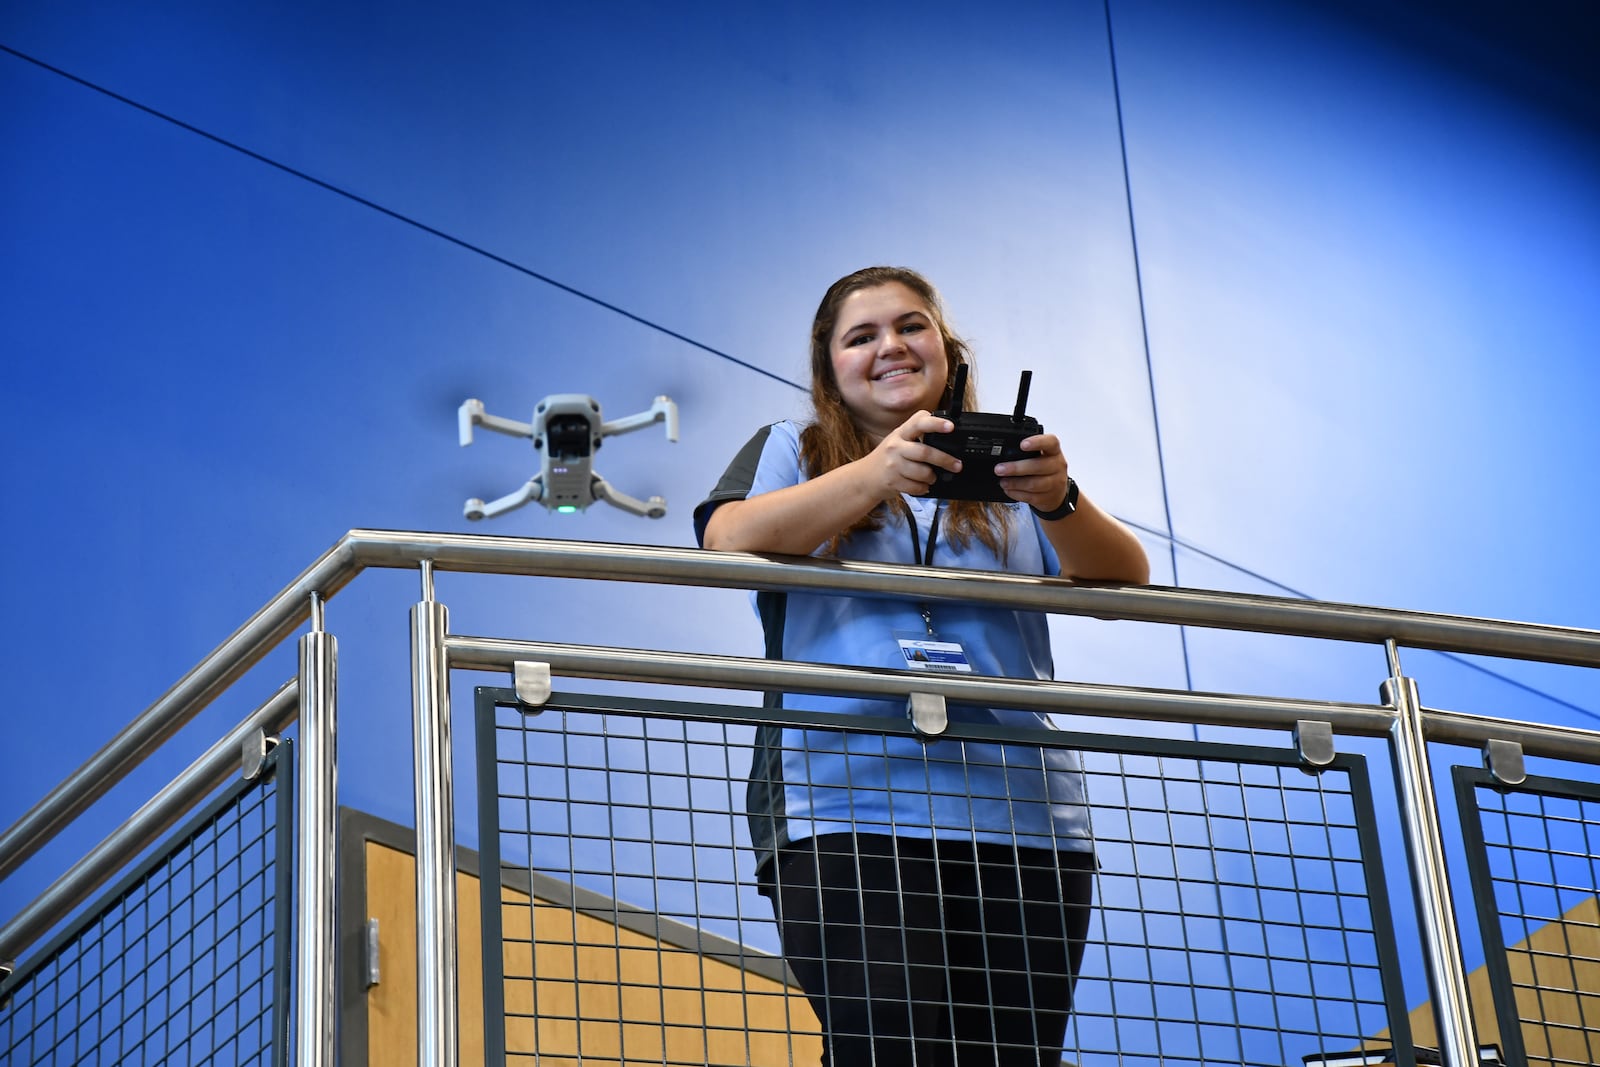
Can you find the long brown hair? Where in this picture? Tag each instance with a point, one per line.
(833, 439)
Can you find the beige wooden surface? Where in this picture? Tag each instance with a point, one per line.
(1556, 972)
(578, 989)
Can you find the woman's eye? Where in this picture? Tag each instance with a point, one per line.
(913, 327)
(858, 339)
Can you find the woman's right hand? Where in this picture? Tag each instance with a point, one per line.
(902, 463)
(797, 519)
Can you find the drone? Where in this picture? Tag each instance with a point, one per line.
(566, 431)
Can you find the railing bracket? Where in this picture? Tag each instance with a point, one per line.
(533, 682)
(1503, 760)
(371, 946)
(928, 714)
(253, 752)
(1388, 692)
(1313, 741)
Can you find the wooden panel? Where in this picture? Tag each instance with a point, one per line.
(1556, 972)
(576, 983)
(392, 1003)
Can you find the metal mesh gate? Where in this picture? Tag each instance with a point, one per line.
(1534, 854)
(1240, 918)
(185, 961)
(1242, 915)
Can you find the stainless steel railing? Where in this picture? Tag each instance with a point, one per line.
(435, 652)
(158, 815)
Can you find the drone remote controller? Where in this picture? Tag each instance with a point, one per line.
(981, 440)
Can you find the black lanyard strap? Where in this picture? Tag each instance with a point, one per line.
(916, 536)
(916, 549)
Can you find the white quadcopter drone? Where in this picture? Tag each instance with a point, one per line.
(566, 431)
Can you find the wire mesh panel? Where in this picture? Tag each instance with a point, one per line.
(636, 957)
(1534, 854)
(1240, 915)
(185, 961)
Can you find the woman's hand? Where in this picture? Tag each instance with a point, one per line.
(903, 464)
(796, 519)
(1041, 480)
(1089, 542)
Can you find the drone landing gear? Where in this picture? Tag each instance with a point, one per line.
(530, 493)
(533, 493)
(654, 508)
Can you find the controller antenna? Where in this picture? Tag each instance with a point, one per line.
(958, 390)
(1022, 396)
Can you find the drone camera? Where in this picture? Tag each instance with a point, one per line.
(569, 437)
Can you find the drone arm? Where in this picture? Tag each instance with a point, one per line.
(530, 493)
(471, 414)
(654, 508)
(663, 410)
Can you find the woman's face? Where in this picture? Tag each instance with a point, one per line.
(888, 357)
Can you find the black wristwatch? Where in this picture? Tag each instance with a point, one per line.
(1068, 506)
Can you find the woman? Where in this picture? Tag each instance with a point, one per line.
(932, 898)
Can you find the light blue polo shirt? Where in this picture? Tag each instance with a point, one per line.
(809, 782)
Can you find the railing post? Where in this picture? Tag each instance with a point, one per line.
(316, 934)
(437, 998)
(1419, 811)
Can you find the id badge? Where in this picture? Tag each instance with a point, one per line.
(942, 657)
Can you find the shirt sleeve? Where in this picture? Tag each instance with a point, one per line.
(1047, 552)
(769, 460)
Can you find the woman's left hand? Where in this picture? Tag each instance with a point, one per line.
(1041, 480)
(1090, 543)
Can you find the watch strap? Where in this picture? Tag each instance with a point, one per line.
(1068, 505)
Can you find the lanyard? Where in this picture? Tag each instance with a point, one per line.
(917, 553)
(916, 536)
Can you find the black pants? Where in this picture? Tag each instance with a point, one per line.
(933, 953)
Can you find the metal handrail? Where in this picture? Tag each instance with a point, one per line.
(435, 651)
(1163, 604)
(360, 549)
(144, 827)
(174, 709)
(760, 675)
(655, 667)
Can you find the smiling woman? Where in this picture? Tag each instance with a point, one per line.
(932, 897)
(889, 360)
